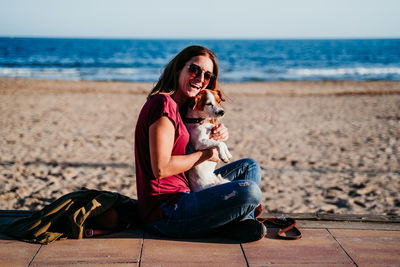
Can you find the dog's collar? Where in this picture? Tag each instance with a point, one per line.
(193, 120)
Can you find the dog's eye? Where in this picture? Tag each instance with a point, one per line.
(208, 104)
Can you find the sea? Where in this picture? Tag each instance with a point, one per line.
(143, 60)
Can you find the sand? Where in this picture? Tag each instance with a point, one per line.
(323, 146)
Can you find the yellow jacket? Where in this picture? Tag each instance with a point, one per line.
(66, 216)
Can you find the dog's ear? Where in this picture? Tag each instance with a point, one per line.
(195, 101)
(198, 100)
(219, 94)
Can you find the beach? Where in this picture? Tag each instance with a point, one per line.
(326, 146)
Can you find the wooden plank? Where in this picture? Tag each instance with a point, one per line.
(159, 251)
(119, 248)
(305, 224)
(337, 217)
(299, 216)
(370, 247)
(16, 253)
(317, 247)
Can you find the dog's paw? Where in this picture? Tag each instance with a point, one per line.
(224, 153)
(224, 158)
(229, 155)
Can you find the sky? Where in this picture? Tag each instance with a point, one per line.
(205, 19)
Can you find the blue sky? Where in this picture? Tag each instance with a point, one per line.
(201, 19)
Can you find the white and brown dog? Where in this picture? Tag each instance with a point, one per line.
(201, 118)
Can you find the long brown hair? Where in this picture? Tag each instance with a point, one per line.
(169, 79)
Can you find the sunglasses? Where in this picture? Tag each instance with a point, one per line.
(196, 71)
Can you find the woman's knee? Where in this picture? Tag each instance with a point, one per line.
(253, 170)
(249, 192)
(248, 161)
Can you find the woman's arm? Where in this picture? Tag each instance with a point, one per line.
(163, 164)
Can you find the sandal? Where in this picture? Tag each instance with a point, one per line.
(288, 227)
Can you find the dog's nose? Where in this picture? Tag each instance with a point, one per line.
(221, 112)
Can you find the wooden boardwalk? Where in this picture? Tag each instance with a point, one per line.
(324, 243)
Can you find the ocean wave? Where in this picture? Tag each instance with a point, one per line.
(41, 73)
(126, 70)
(345, 72)
(248, 75)
(70, 73)
(240, 60)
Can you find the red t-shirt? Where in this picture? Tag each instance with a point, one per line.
(153, 192)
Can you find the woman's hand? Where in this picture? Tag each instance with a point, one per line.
(214, 155)
(219, 133)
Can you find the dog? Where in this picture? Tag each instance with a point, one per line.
(201, 117)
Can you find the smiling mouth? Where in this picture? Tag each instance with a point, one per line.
(195, 86)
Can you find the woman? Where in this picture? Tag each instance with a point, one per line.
(166, 204)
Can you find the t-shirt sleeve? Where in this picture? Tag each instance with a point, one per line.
(162, 105)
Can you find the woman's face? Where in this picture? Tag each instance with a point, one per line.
(191, 84)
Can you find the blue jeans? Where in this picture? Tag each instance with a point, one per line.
(201, 213)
